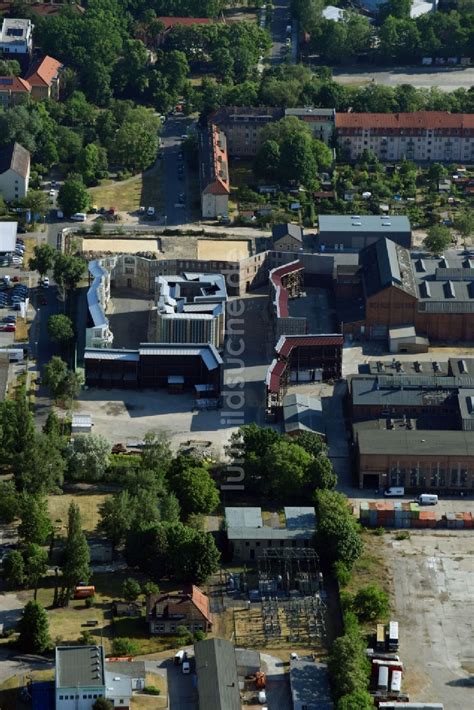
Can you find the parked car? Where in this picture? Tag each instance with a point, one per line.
(151, 212)
(7, 328)
(9, 319)
(43, 301)
(45, 282)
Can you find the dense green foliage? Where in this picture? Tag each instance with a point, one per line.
(280, 467)
(76, 556)
(34, 629)
(348, 665)
(337, 537)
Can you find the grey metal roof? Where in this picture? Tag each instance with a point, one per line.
(268, 533)
(309, 111)
(80, 666)
(466, 404)
(444, 283)
(414, 443)
(110, 354)
(247, 657)
(118, 685)
(386, 392)
(303, 413)
(386, 264)
(244, 517)
(282, 230)
(461, 365)
(402, 331)
(385, 225)
(300, 518)
(217, 679)
(310, 685)
(132, 669)
(8, 232)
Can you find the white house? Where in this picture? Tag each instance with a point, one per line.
(16, 37)
(14, 172)
(98, 333)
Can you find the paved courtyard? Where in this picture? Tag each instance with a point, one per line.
(433, 579)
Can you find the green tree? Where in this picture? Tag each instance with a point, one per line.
(76, 557)
(40, 467)
(88, 457)
(43, 259)
(55, 372)
(36, 565)
(150, 588)
(358, 700)
(370, 603)
(37, 202)
(60, 328)
(156, 452)
(348, 665)
(286, 467)
(436, 172)
(130, 589)
(34, 629)
(193, 486)
(297, 161)
(73, 196)
(8, 502)
(35, 522)
(321, 472)
(311, 442)
(248, 447)
(14, 569)
(92, 163)
(337, 537)
(438, 238)
(10, 67)
(124, 647)
(192, 555)
(464, 224)
(267, 161)
(68, 271)
(135, 145)
(115, 517)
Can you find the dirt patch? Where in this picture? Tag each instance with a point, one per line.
(229, 250)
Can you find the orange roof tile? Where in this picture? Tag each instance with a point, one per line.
(43, 71)
(417, 119)
(14, 83)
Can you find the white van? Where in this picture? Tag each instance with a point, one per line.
(186, 667)
(394, 492)
(427, 499)
(79, 217)
(179, 657)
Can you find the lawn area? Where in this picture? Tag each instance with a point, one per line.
(140, 701)
(88, 505)
(242, 174)
(371, 567)
(128, 195)
(67, 624)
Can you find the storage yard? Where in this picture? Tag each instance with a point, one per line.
(433, 578)
(401, 514)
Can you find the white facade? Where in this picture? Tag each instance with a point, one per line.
(98, 333)
(16, 36)
(214, 205)
(79, 677)
(423, 145)
(13, 186)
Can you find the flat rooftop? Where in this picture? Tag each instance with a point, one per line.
(364, 223)
(80, 666)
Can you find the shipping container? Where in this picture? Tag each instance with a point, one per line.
(380, 641)
(393, 636)
(396, 682)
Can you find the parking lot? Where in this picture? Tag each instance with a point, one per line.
(433, 579)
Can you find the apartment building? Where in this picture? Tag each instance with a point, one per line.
(44, 78)
(320, 120)
(14, 172)
(421, 136)
(243, 125)
(213, 173)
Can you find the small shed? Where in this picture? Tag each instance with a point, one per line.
(403, 339)
(81, 424)
(248, 661)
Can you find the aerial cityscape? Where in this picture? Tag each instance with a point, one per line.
(236, 355)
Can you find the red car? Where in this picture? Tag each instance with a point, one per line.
(43, 301)
(7, 328)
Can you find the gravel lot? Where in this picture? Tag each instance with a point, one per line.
(433, 579)
(443, 78)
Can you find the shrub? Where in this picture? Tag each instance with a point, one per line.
(89, 602)
(124, 647)
(151, 690)
(342, 574)
(370, 603)
(199, 636)
(403, 535)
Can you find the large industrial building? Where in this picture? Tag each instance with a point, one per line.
(413, 425)
(190, 308)
(179, 367)
(355, 232)
(392, 288)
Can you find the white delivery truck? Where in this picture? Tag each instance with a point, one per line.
(427, 499)
(394, 492)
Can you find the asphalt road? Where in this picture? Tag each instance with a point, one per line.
(443, 78)
(281, 13)
(176, 212)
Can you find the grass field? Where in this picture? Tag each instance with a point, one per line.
(88, 505)
(144, 189)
